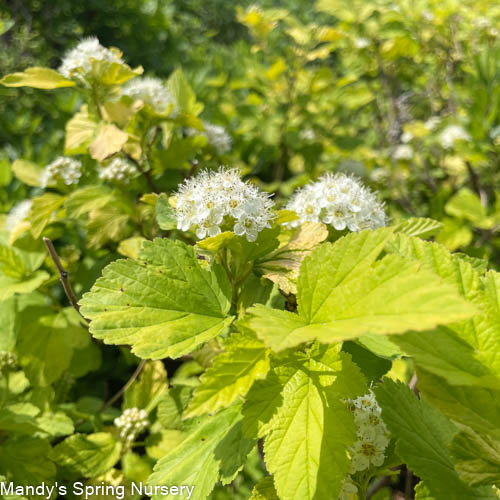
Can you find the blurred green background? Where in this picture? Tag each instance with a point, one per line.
(404, 94)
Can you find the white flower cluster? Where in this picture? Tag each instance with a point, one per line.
(372, 434)
(152, 91)
(63, 169)
(216, 136)
(17, 214)
(8, 361)
(77, 63)
(451, 134)
(131, 423)
(214, 199)
(432, 123)
(403, 152)
(119, 169)
(338, 200)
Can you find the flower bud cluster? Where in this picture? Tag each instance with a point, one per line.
(118, 170)
(215, 200)
(372, 434)
(340, 201)
(77, 63)
(131, 423)
(65, 169)
(154, 92)
(8, 361)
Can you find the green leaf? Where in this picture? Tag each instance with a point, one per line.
(165, 214)
(83, 201)
(42, 211)
(80, 129)
(46, 339)
(264, 490)
(55, 424)
(332, 264)
(482, 331)
(232, 452)
(172, 405)
(473, 407)
(163, 305)
(131, 247)
(467, 205)
(393, 296)
(183, 94)
(419, 226)
(477, 458)
(231, 375)
(443, 353)
(19, 418)
(28, 172)
(282, 265)
(371, 365)
(110, 140)
(135, 467)
(25, 461)
(194, 462)
(38, 78)
(113, 73)
(8, 320)
(148, 389)
(88, 455)
(423, 435)
(10, 286)
(306, 449)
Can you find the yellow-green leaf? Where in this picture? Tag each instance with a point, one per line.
(39, 78)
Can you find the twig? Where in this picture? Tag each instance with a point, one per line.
(413, 382)
(408, 484)
(192, 170)
(63, 277)
(144, 173)
(130, 381)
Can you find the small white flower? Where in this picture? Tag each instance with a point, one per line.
(62, 169)
(212, 201)
(406, 137)
(17, 214)
(432, 123)
(372, 434)
(361, 43)
(308, 134)
(77, 63)
(347, 489)
(338, 200)
(451, 134)
(118, 170)
(427, 15)
(154, 92)
(403, 152)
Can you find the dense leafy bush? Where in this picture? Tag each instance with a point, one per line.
(272, 328)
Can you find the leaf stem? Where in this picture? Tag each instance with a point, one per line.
(144, 173)
(129, 382)
(63, 277)
(5, 396)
